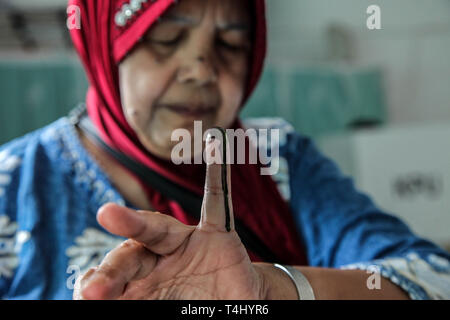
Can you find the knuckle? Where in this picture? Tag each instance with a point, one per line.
(129, 244)
(213, 190)
(88, 273)
(110, 271)
(83, 279)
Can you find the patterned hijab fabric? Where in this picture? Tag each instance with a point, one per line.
(110, 29)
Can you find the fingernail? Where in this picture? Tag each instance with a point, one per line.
(209, 138)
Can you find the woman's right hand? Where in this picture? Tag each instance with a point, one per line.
(166, 259)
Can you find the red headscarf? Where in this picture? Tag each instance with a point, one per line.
(102, 44)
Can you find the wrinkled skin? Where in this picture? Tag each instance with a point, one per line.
(192, 65)
(202, 63)
(165, 259)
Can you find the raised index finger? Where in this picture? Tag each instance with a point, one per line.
(217, 208)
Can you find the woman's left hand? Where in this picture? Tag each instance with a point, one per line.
(166, 259)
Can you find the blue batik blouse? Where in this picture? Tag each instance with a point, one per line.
(51, 189)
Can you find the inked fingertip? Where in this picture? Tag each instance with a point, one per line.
(210, 138)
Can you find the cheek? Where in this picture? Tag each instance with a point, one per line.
(233, 89)
(140, 88)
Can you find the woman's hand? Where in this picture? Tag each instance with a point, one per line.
(166, 259)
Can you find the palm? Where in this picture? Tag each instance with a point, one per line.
(165, 259)
(207, 266)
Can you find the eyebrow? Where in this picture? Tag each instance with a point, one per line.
(234, 26)
(182, 20)
(179, 19)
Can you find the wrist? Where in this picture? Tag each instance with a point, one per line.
(304, 289)
(276, 284)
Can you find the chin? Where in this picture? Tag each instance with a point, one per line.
(157, 144)
(162, 151)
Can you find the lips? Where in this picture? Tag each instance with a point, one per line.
(190, 110)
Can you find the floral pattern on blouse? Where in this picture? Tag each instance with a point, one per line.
(51, 189)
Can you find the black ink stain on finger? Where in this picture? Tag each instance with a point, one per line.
(224, 179)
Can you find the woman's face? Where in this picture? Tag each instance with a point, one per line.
(191, 65)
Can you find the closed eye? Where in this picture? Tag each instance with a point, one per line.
(168, 43)
(230, 46)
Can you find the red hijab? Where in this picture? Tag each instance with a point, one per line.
(102, 44)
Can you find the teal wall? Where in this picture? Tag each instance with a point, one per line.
(316, 100)
(320, 100)
(35, 93)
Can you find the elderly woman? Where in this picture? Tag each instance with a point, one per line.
(154, 67)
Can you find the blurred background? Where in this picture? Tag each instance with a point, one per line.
(376, 101)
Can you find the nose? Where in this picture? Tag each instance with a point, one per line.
(199, 71)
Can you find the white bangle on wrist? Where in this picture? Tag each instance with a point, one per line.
(304, 289)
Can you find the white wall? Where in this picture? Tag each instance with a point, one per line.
(413, 47)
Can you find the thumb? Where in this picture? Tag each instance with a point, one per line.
(217, 207)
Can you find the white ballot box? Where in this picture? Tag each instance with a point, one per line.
(406, 171)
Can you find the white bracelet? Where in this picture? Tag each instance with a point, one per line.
(304, 289)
